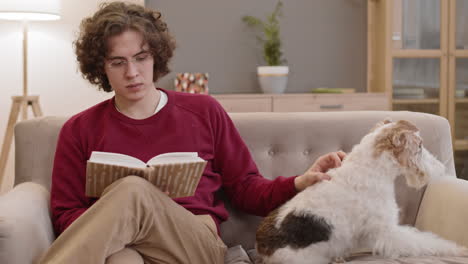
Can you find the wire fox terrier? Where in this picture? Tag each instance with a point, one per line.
(357, 207)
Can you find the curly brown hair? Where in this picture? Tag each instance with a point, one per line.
(113, 19)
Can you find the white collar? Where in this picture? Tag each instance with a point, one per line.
(162, 102)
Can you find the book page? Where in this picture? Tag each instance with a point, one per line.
(175, 157)
(116, 159)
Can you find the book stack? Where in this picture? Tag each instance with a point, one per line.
(408, 93)
(459, 93)
(333, 90)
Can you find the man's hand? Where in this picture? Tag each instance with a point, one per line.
(327, 162)
(317, 172)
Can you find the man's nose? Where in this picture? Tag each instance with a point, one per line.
(132, 70)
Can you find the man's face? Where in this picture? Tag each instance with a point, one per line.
(129, 66)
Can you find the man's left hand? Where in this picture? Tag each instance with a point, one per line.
(317, 172)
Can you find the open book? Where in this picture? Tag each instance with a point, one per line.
(178, 172)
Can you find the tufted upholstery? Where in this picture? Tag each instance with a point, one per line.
(281, 144)
(287, 143)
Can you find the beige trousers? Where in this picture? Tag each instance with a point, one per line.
(133, 214)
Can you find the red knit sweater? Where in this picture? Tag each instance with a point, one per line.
(194, 123)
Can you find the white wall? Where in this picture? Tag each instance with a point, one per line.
(53, 72)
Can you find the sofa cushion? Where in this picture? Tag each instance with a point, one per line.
(236, 255)
(368, 259)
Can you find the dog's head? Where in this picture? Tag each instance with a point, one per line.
(402, 141)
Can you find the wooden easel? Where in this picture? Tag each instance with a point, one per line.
(20, 104)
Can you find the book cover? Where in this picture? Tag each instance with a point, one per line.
(177, 172)
(333, 90)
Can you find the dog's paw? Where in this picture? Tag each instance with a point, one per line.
(338, 260)
(462, 251)
(456, 251)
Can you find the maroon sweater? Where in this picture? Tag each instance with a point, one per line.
(194, 123)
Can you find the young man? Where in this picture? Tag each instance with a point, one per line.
(125, 48)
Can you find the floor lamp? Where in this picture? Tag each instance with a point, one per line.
(24, 10)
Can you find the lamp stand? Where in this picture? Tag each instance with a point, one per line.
(19, 104)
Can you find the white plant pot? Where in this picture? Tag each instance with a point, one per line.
(273, 79)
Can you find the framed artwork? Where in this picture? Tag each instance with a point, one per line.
(191, 82)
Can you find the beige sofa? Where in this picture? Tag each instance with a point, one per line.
(281, 144)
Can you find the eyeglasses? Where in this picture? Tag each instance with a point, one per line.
(120, 63)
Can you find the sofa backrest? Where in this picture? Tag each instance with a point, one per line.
(283, 144)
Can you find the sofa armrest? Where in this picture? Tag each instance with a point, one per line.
(25, 227)
(444, 209)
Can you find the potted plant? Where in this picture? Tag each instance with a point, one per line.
(274, 77)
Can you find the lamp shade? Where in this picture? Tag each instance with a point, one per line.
(30, 9)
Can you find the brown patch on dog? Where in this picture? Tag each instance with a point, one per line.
(394, 138)
(268, 236)
(296, 231)
(381, 123)
(403, 143)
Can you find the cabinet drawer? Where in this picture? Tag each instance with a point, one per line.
(331, 102)
(245, 104)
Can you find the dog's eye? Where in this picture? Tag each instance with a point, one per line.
(420, 145)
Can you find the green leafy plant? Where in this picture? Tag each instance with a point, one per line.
(271, 35)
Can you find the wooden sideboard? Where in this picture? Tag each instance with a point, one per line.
(303, 102)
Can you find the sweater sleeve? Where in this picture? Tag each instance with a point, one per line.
(68, 200)
(246, 188)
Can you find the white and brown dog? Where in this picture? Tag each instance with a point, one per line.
(357, 207)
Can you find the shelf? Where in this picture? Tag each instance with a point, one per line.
(416, 101)
(461, 100)
(461, 53)
(419, 53)
(303, 102)
(461, 144)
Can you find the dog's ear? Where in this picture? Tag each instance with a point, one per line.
(407, 152)
(381, 123)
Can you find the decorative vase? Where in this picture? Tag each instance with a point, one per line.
(273, 79)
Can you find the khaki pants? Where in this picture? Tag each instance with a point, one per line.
(134, 214)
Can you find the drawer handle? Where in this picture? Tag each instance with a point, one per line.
(334, 106)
